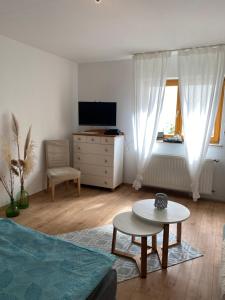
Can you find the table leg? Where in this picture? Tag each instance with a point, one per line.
(179, 232)
(154, 243)
(165, 246)
(114, 240)
(143, 256)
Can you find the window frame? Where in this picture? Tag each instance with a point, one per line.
(178, 121)
(215, 139)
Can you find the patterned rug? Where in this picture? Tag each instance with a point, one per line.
(101, 238)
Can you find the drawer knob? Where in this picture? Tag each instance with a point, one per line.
(106, 160)
(79, 139)
(78, 158)
(78, 148)
(106, 140)
(106, 172)
(105, 182)
(92, 140)
(106, 150)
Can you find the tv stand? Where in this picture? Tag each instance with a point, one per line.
(99, 158)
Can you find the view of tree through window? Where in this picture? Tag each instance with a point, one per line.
(167, 121)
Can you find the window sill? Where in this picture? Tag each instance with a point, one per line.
(162, 142)
(216, 145)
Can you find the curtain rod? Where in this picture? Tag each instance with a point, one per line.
(181, 49)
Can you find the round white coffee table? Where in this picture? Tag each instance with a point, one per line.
(174, 213)
(129, 224)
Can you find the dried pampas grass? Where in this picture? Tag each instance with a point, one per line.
(17, 167)
(8, 183)
(27, 143)
(15, 126)
(15, 129)
(14, 171)
(6, 153)
(30, 159)
(25, 165)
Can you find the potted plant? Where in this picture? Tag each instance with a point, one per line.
(12, 210)
(23, 164)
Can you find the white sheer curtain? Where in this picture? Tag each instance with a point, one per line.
(201, 74)
(150, 79)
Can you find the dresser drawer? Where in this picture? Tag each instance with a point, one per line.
(93, 148)
(79, 138)
(93, 159)
(97, 181)
(77, 147)
(93, 139)
(94, 170)
(107, 140)
(107, 149)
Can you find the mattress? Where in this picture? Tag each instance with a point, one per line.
(106, 289)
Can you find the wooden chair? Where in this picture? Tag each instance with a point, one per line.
(58, 165)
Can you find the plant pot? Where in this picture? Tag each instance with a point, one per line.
(12, 210)
(22, 199)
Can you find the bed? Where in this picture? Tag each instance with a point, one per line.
(222, 271)
(38, 266)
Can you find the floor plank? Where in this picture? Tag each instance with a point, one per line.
(193, 280)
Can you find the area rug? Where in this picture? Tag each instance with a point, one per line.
(101, 238)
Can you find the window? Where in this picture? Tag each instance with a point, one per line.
(171, 120)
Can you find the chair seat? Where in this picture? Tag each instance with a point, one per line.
(63, 173)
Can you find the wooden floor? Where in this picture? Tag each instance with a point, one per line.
(195, 279)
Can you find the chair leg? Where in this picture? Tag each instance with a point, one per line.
(53, 191)
(78, 185)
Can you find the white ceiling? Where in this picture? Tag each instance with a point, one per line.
(84, 31)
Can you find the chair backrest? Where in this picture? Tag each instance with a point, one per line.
(57, 153)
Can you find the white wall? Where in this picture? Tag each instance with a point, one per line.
(39, 88)
(113, 81)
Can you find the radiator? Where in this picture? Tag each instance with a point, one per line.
(171, 172)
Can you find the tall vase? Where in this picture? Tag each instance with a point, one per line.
(12, 210)
(22, 198)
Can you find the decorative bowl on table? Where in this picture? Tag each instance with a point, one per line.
(161, 200)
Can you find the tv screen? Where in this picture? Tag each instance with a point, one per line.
(97, 113)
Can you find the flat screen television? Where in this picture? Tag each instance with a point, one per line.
(97, 113)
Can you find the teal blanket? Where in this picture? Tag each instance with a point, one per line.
(36, 266)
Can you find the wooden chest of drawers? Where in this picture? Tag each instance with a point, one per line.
(99, 158)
